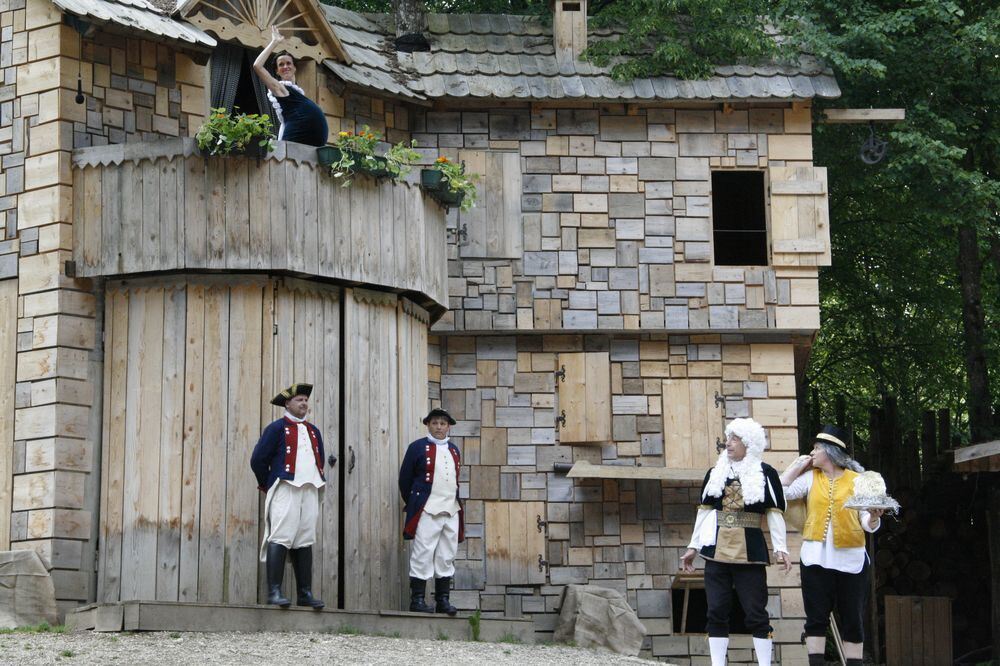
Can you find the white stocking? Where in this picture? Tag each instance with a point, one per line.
(762, 646)
(718, 647)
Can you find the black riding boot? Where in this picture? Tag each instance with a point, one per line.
(302, 564)
(275, 572)
(418, 587)
(442, 590)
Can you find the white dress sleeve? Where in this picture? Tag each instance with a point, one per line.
(799, 488)
(776, 525)
(699, 524)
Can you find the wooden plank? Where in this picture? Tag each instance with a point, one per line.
(211, 538)
(259, 181)
(572, 392)
(168, 540)
(142, 418)
(386, 220)
(195, 228)
(306, 184)
(598, 401)
(237, 212)
(8, 376)
(214, 213)
(772, 358)
(497, 544)
(279, 214)
(800, 225)
(194, 387)
(131, 220)
(585, 470)
(511, 244)
(244, 397)
(535, 538)
(87, 202)
(520, 557)
(846, 116)
(171, 224)
(476, 220)
(677, 424)
(148, 250)
(977, 451)
(328, 418)
(109, 219)
(114, 446)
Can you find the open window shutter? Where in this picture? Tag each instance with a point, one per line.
(493, 227)
(800, 217)
(227, 60)
(514, 543)
(585, 398)
(691, 422)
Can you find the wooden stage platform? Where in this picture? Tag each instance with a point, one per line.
(183, 616)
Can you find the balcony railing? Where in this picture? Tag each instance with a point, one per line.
(161, 206)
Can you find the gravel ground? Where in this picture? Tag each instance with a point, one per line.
(298, 648)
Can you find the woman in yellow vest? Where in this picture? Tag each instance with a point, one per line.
(834, 563)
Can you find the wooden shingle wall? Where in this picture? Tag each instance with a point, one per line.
(625, 534)
(615, 219)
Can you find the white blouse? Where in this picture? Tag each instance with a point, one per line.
(824, 553)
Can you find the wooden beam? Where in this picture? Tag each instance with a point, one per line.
(584, 470)
(977, 451)
(847, 116)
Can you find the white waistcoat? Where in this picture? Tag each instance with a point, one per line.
(445, 484)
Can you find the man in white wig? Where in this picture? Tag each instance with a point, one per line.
(738, 494)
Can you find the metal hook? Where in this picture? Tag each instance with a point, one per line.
(719, 400)
(874, 149)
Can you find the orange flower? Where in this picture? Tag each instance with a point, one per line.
(441, 160)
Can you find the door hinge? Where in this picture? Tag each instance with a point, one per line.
(274, 331)
(561, 419)
(561, 374)
(542, 524)
(543, 564)
(719, 400)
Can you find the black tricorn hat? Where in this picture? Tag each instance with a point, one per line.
(291, 392)
(437, 411)
(835, 435)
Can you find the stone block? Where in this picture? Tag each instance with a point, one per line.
(541, 263)
(626, 205)
(623, 128)
(657, 168)
(653, 603)
(577, 121)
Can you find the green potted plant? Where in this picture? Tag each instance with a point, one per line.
(448, 183)
(237, 133)
(352, 153)
(399, 159)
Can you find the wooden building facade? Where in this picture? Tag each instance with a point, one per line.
(641, 267)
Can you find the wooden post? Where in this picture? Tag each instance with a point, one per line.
(944, 430)
(993, 535)
(928, 452)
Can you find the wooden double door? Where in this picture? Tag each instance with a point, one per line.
(190, 367)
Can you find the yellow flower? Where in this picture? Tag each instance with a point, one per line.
(344, 133)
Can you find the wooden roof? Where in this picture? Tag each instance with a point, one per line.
(137, 15)
(309, 34)
(504, 57)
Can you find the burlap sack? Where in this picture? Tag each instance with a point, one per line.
(594, 616)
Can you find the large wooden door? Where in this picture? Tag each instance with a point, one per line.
(190, 368)
(373, 546)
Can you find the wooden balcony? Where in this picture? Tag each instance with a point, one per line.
(162, 207)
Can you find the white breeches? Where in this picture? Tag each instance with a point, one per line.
(293, 512)
(432, 552)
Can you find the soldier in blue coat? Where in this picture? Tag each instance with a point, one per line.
(428, 483)
(288, 464)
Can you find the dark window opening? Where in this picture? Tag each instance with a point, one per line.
(739, 225)
(234, 85)
(690, 608)
(246, 96)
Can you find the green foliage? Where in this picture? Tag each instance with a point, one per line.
(66, 653)
(891, 304)
(348, 630)
(401, 157)
(686, 38)
(441, 636)
(510, 638)
(224, 133)
(475, 624)
(457, 180)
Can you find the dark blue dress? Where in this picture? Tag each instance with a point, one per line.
(302, 119)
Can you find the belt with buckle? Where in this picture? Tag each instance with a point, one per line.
(738, 519)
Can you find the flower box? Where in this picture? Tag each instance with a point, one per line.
(438, 189)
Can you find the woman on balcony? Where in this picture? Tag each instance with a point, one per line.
(302, 121)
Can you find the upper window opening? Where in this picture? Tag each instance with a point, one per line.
(739, 226)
